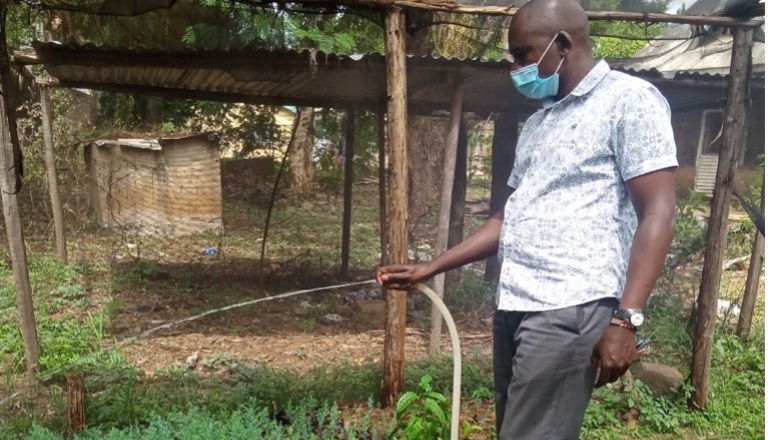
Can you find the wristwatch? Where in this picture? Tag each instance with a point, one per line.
(634, 317)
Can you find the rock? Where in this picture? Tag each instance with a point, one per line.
(661, 379)
(332, 318)
(192, 360)
(375, 294)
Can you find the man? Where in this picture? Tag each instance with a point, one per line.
(584, 233)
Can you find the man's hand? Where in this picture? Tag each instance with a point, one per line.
(613, 354)
(402, 276)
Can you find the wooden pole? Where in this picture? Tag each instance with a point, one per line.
(15, 235)
(395, 324)
(503, 153)
(734, 129)
(382, 189)
(442, 236)
(50, 166)
(350, 134)
(459, 193)
(752, 278)
(76, 403)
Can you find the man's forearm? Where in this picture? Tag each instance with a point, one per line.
(481, 244)
(648, 252)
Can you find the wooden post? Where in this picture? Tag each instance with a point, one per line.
(382, 189)
(76, 403)
(395, 324)
(734, 127)
(442, 236)
(459, 193)
(350, 134)
(503, 153)
(16, 248)
(752, 278)
(50, 166)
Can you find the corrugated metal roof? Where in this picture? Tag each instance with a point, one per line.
(148, 143)
(310, 78)
(278, 77)
(697, 52)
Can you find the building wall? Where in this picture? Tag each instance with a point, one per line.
(174, 191)
(687, 131)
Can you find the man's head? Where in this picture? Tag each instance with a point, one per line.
(536, 24)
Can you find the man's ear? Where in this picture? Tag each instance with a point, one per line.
(564, 42)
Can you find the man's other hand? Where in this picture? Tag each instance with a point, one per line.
(613, 354)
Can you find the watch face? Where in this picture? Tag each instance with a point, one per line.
(637, 319)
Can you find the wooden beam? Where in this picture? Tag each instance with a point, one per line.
(17, 250)
(50, 168)
(347, 211)
(442, 236)
(395, 325)
(734, 131)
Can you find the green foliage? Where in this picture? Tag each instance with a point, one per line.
(423, 415)
(248, 421)
(619, 40)
(277, 28)
(67, 329)
(663, 414)
(23, 25)
(689, 231)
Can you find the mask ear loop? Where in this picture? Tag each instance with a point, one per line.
(548, 48)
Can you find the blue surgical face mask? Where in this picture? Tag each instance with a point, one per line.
(528, 82)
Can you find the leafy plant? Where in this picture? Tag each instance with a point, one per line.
(422, 415)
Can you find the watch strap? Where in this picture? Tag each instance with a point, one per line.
(623, 323)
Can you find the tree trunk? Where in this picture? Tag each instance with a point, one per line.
(503, 153)
(752, 279)
(50, 166)
(301, 152)
(734, 127)
(17, 250)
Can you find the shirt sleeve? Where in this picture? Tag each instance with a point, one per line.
(645, 138)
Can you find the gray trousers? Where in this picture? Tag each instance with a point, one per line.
(543, 374)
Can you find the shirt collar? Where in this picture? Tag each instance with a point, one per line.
(594, 77)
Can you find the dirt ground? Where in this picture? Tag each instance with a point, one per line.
(287, 333)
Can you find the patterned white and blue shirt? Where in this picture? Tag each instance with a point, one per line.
(568, 227)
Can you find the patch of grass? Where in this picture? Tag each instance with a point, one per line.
(249, 421)
(68, 326)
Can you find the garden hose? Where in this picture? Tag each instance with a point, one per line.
(456, 356)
